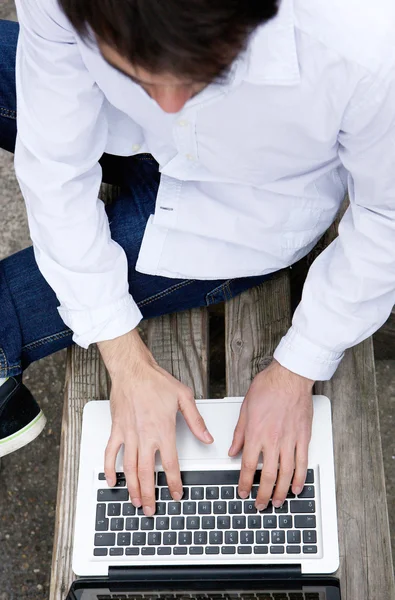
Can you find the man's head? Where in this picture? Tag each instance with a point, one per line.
(172, 48)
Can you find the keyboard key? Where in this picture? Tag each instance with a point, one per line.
(193, 522)
(254, 491)
(309, 549)
(160, 508)
(185, 538)
(268, 510)
(123, 539)
(278, 537)
(165, 494)
(212, 550)
(174, 508)
(204, 508)
(309, 537)
(140, 512)
(227, 493)
(290, 494)
(293, 537)
(177, 523)
(112, 495)
(302, 506)
(269, 522)
(215, 537)
(117, 524)
(101, 477)
(139, 538)
(102, 525)
(100, 512)
(154, 538)
(170, 538)
(294, 550)
(277, 550)
(239, 522)
(147, 551)
(200, 538)
(180, 551)
(247, 537)
(162, 523)
(261, 549)
(283, 509)
(132, 523)
(163, 551)
(261, 537)
(147, 523)
(249, 507)
(244, 550)
(223, 522)
(100, 552)
(128, 510)
(285, 522)
(254, 522)
(208, 522)
(212, 493)
(195, 550)
(116, 551)
(114, 509)
(310, 476)
(185, 493)
(104, 539)
(197, 493)
(189, 508)
(305, 522)
(232, 537)
(224, 477)
(307, 492)
(132, 551)
(219, 508)
(228, 550)
(235, 508)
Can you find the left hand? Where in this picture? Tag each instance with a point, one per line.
(275, 419)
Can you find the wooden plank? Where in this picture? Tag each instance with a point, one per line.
(255, 321)
(384, 340)
(179, 342)
(86, 379)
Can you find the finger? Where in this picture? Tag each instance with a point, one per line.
(168, 451)
(301, 460)
(146, 469)
(130, 470)
(194, 419)
(268, 477)
(287, 466)
(248, 467)
(113, 445)
(239, 433)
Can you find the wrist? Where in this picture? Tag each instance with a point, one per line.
(125, 351)
(294, 379)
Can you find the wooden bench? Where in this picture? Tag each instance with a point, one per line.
(255, 321)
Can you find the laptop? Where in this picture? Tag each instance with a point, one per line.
(211, 544)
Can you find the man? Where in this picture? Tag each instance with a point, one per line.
(255, 121)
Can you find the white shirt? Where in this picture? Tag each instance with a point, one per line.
(253, 172)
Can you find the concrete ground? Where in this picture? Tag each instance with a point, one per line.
(28, 478)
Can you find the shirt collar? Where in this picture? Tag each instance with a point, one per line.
(271, 57)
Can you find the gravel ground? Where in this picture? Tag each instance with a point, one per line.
(28, 478)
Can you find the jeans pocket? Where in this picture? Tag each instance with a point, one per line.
(233, 287)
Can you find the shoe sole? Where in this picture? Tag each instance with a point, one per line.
(24, 436)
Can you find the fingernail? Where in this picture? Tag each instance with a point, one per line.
(260, 507)
(148, 511)
(177, 496)
(298, 490)
(277, 503)
(109, 481)
(243, 495)
(136, 502)
(208, 437)
(231, 450)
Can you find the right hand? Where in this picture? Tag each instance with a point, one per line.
(145, 400)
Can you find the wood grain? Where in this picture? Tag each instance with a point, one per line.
(86, 379)
(255, 321)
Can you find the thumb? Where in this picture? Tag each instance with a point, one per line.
(195, 420)
(239, 433)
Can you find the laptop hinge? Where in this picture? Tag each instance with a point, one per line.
(196, 572)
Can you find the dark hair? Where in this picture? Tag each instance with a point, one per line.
(196, 39)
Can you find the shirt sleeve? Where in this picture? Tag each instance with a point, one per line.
(350, 288)
(62, 133)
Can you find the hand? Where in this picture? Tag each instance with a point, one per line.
(275, 419)
(144, 404)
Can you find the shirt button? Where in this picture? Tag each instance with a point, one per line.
(136, 147)
(190, 156)
(183, 122)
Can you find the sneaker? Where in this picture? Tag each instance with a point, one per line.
(21, 419)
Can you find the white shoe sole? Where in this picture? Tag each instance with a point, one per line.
(24, 436)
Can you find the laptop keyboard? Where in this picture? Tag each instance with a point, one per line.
(216, 596)
(211, 519)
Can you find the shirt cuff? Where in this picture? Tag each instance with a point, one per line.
(104, 323)
(301, 356)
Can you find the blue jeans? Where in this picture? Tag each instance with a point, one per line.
(30, 325)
